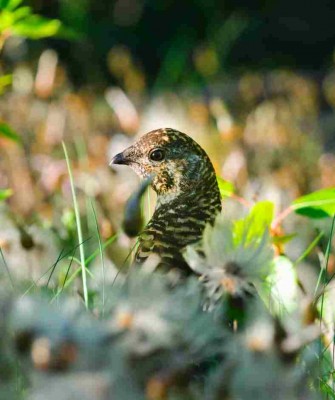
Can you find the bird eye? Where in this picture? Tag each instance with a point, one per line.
(157, 155)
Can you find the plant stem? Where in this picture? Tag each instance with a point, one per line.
(79, 230)
(280, 217)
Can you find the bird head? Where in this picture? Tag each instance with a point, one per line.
(174, 161)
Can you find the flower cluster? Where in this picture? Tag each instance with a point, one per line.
(230, 260)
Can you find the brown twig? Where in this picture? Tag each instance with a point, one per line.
(280, 217)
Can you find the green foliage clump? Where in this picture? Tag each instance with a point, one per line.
(154, 339)
(19, 20)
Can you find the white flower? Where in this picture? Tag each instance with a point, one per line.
(231, 258)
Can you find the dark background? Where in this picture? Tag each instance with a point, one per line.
(164, 35)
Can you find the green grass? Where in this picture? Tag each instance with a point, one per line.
(327, 384)
(10, 278)
(101, 258)
(79, 229)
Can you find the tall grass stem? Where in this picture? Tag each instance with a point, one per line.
(79, 229)
(101, 257)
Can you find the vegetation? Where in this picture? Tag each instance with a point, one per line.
(256, 318)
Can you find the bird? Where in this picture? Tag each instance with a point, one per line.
(188, 195)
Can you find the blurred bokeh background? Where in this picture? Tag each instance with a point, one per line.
(252, 81)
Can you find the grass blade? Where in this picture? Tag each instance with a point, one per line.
(59, 258)
(325, 271)
(60, 290)
(89, 259)
(101, 257)
(109, 241)
(327, 254)
(7, 270)
(79, 230)
(68, 269)
(309, 248)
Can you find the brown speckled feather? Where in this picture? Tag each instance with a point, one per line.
(188, 196)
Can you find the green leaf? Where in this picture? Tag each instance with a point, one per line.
(7, 20)
(8, 132)
(262, 212)
(226, 188)
(284, 238)
(5, 193)
(5, 80)
(65, 32)
(258, 220)
(319, 204)
(9, 4)
(37, 27)
(328, 390)
(20, 13)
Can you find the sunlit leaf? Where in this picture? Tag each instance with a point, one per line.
(5, 80)
(5, 193)
(8, 132)
(258, 220)
(22, 12)
(226, 188)
(262, 212)
(36, 27)
(7, 20)
(319, 204)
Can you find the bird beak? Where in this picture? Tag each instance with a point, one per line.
(119, 159)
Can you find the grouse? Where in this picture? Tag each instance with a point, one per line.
(188, 195)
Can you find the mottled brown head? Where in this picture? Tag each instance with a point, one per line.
(174, 160)
(188, 194)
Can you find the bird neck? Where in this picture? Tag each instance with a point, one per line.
(201, 203)
(187, 212)
(179, 220)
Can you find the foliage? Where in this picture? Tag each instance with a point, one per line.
(5, 193)
(154, 349)
(7, 132)
(5, 82)
(19, 20)
(150, 341)
(226, 188)
(317, 204)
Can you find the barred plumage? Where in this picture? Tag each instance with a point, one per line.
(188, 196)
